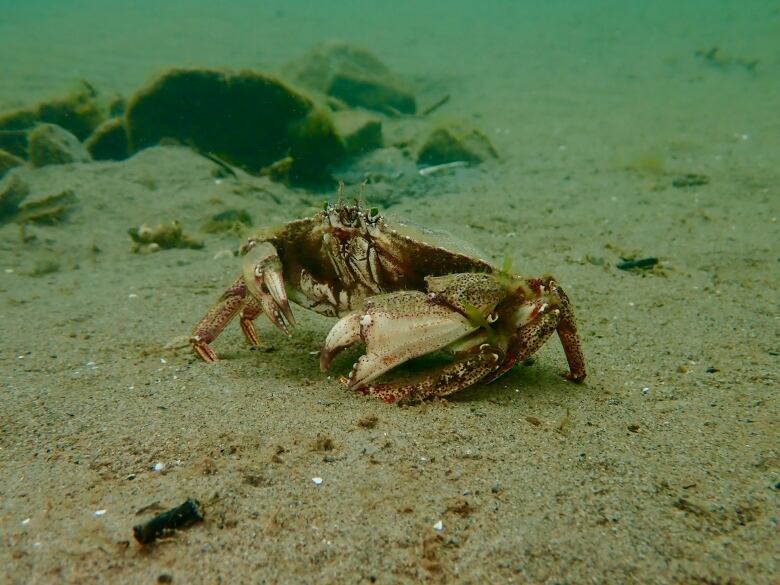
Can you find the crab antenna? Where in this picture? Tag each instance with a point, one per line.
(341, 191)
(362, 190)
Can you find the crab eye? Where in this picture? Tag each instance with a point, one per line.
(373, 213)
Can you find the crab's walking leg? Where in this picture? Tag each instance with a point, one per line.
(530, 337)
(251, 311)
(217, 318)
(466, 370)
(570, 339)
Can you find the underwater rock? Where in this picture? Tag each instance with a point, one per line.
(79, 113)
(46, 211)
(15, 142)
(360, 131)
(12, 192)
(163, 237)
(248, 119)
(8, 161)
(52, 145)
(354, 76)
(456, 142)
(109, 141)
(230, 220)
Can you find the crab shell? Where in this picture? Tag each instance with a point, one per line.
(334, 260)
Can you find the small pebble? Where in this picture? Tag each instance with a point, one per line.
(159, 466)
(100, 512)
(317, 480)
(439, 526)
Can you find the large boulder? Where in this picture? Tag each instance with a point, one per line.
(249, 119)
(354, 76)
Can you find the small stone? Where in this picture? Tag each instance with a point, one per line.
(456, 143)
(52, 145)
(439, 526)
(317, 480)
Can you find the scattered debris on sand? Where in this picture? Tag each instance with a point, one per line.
(165, 236)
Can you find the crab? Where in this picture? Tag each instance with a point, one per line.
(402, 290)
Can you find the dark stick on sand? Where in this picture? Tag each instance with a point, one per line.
(436, 105)
(181, 516)
(639, 263)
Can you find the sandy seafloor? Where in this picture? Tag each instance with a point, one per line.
(570, 95)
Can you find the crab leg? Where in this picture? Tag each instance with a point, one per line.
(211, 325)
(570, 339)
(546, 317)
(466, 370)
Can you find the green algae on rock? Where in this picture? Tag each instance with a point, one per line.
(109, 141)
(360, 131)
(249, 119)
(456, 142)
(50, 144)
(79, 113)
(8, 161)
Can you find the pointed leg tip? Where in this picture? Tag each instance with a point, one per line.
(206, 354)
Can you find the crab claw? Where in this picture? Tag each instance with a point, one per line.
(395, 327)
(262, 270)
